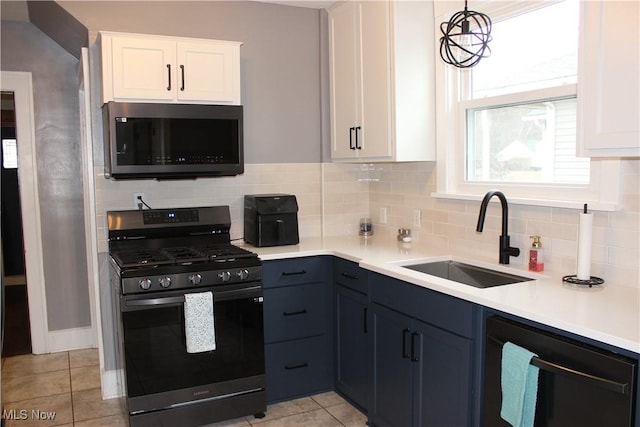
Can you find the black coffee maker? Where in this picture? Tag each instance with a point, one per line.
(271, 219)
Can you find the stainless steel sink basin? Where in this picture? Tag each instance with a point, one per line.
(466, 273)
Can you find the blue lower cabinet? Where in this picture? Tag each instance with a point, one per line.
(352, 346)
(297, 327)
(442, 394)
(298, 368)
(423, 375)
(393, 370)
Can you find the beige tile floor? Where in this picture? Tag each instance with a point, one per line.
(67, 384)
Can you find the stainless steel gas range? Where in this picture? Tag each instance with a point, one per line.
(191, 326)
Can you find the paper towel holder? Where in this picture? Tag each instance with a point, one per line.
(591, 282)
(573, 279)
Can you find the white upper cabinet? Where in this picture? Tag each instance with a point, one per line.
(609, 76)
(143, 68)
(381, 59)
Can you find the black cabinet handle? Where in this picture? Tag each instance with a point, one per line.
(169, 76)
(294, 313)
(405, 353)
(349, 276)
(182, 72)
(290, 367)
(366, 331)
(294, 273)
(358, 146)
(351, 130)
(414, 355)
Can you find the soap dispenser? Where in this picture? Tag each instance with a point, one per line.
(536, 255)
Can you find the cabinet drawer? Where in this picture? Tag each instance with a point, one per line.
(295, 312)
(349, 274)
(446, 312)
(294, 271)
(298, 367)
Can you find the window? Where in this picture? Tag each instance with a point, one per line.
(511, 121)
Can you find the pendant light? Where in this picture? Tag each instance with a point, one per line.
(466, 38)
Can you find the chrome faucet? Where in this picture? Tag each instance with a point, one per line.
(506, 251)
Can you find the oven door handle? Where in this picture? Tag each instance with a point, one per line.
(237, 292)
(222, 293)
(153, 302)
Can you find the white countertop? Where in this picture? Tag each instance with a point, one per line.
(608, 313)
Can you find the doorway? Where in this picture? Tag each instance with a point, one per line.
(17, 336)
(20, 84)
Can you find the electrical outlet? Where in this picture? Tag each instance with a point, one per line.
(417, 218)
(137, 203)
(383, 215)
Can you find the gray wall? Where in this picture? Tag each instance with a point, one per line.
(280, 62)
(283, 65)
(57, 133)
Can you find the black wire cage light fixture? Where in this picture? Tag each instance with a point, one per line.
(465, 38)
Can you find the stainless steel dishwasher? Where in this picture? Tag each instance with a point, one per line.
(579, 385)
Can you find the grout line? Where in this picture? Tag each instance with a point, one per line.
(73, 412)
(332, 416)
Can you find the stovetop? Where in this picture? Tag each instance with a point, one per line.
(171, 249)
(179, 255)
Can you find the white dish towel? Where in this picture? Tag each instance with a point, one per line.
(199, 325)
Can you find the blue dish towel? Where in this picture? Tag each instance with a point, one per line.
(519, 382)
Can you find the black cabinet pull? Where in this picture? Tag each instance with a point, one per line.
(351, 130)
(366, 331)
(414, 356)
(182, 72)
(290, 367)
(405, 353)
(349, 276)
(169, 76)
(294, 273)
(294, 313)
(358, 146)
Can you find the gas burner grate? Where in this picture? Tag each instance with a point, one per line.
(224, 252)
(142, 257)
(184, 254)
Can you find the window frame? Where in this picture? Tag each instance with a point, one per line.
(603, 192)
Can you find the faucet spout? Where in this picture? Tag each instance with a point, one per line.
(506, 250)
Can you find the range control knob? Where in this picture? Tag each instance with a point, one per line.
(165, 282)
(243, 274)
(195, 279)
(144, 283)
(224, 276)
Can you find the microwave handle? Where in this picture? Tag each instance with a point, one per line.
(281, 231)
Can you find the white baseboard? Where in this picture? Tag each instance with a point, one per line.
(70, 339)
(112, 384)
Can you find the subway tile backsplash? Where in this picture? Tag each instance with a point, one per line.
(301, 179)
(332, 197)
(450, 224)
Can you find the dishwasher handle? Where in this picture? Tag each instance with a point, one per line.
(617, 387)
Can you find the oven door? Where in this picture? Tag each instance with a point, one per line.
(160, 374)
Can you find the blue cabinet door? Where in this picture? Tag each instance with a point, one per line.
(391, 400)
(424, 347)
(443, 385)
(352, 348)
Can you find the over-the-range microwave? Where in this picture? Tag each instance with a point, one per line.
(165, 141)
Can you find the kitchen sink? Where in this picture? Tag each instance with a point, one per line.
(468, 274)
